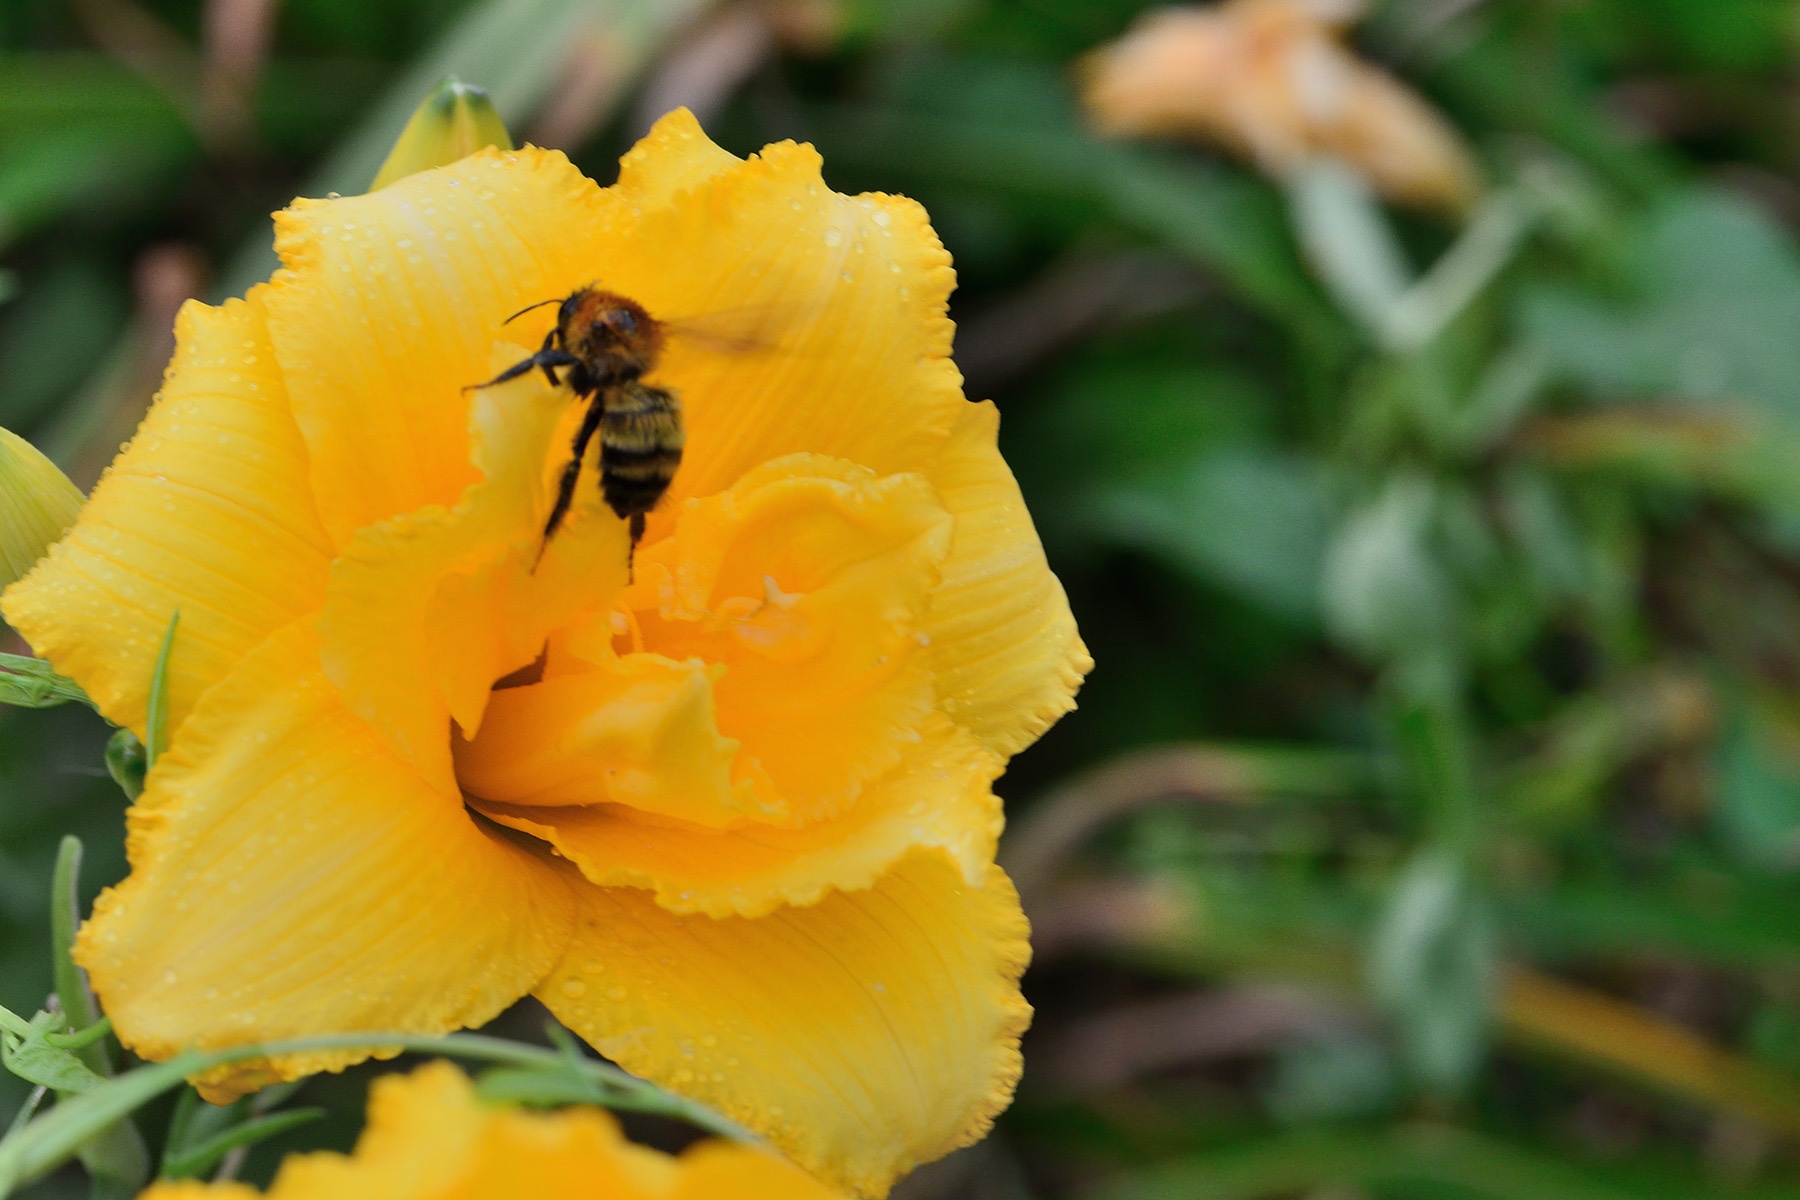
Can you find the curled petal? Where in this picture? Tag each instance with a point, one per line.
(862, 1035)
(807, 580)
(207, 511)
(941, 796)
(290, 875)
(388, 306)
(640, 731)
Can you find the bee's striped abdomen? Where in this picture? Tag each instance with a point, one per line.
(640, 448)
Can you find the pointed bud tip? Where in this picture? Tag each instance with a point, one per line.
(455, 121)
(37, 505)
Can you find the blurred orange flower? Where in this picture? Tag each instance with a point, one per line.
(430, 1138)
(1270, 79)
(733, 823)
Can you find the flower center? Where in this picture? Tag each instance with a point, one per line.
(762, 668)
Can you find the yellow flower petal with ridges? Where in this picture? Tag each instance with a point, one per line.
(207, 511)
(1003, 646)
(430, 1138)
(289, 874)
(841, 624)
(862, 1035)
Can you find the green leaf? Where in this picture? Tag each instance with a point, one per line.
(1718, 301)
(33, 1059)
(197, 1160)
(1316, 1160)
(115, 1156)
(156, 723)
(1433, 970)
(1251, 521)
(1757, 777)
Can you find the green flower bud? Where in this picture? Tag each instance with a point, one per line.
(126, 762)
(455, 121)
(37, 505)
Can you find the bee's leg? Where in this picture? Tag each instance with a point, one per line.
(565, 488)
(637, 535)
(543, 358)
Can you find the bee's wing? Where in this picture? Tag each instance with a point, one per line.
(749, 329)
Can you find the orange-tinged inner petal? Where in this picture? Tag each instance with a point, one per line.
(800, 589)
(862, 1035)
(940, 795)
(425, 611)
(638, 731)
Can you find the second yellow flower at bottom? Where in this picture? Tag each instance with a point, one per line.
(430, 1138)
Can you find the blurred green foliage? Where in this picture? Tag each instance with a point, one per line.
(1493, 529)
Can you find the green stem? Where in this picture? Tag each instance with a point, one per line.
(81, 1037)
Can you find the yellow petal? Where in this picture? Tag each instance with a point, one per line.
(863, 1035)
(291, 876)
(455, 121)
(845, 295)
(722, 1171)
(193, 1189)
(428, 1138)
(207, 511)
(674, 157)
(940, 796)
(37, 505)
(389, 306)
(1004, 652)
(426, 610)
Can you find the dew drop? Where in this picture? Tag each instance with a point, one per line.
(574, 989)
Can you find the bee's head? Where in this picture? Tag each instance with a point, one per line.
(612, 328)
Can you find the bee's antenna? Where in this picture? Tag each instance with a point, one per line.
(528, 308)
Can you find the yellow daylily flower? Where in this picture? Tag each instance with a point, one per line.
(1272, 80)
(733, 821)
(429, 1138)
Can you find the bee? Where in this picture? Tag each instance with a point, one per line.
(606, 343)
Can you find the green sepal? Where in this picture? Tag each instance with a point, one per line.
(27, 682)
